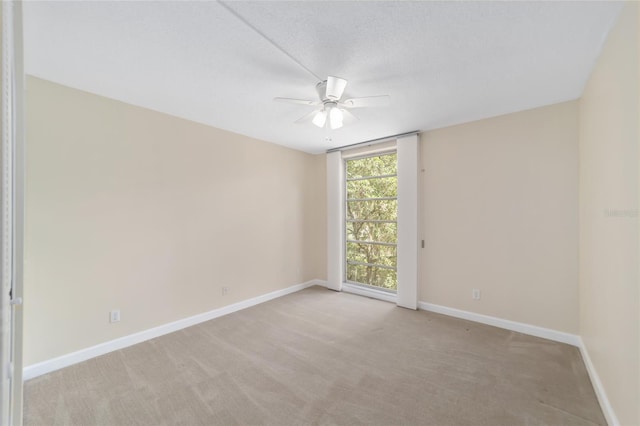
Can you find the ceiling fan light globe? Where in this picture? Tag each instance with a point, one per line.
(320, 119)
(336, 118)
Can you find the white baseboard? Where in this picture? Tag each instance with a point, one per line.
(607, 409)
(533, 330)
(321, 283)
(369, 292)
(48, 366)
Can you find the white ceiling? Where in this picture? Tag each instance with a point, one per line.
(442, 63)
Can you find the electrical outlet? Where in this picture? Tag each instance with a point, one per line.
(114, 316)
(225, 291)
(475, 294)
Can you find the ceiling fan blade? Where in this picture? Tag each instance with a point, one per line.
(297, 101)
(335, 87)
(348, 118)
(307, 118)
(369, 101)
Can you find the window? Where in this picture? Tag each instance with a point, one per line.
(371, 221)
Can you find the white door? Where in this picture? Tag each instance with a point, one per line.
(11, 215)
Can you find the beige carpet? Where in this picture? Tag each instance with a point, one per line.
(320, 357)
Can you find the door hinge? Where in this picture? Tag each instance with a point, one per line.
(16, 301)
(10, 370)
(422, 243)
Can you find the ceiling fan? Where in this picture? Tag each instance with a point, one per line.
(333, 112)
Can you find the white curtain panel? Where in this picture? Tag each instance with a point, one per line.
(408, 228)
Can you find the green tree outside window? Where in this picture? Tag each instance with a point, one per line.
(371, 220)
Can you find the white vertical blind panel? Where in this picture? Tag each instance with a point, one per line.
(408, 236)
(335, 213)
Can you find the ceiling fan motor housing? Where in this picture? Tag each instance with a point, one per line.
(327, 102)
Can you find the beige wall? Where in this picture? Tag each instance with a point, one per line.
(609, 315)
(500, 213)
(136, 210)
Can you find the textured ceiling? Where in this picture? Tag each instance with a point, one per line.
(442, 63)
